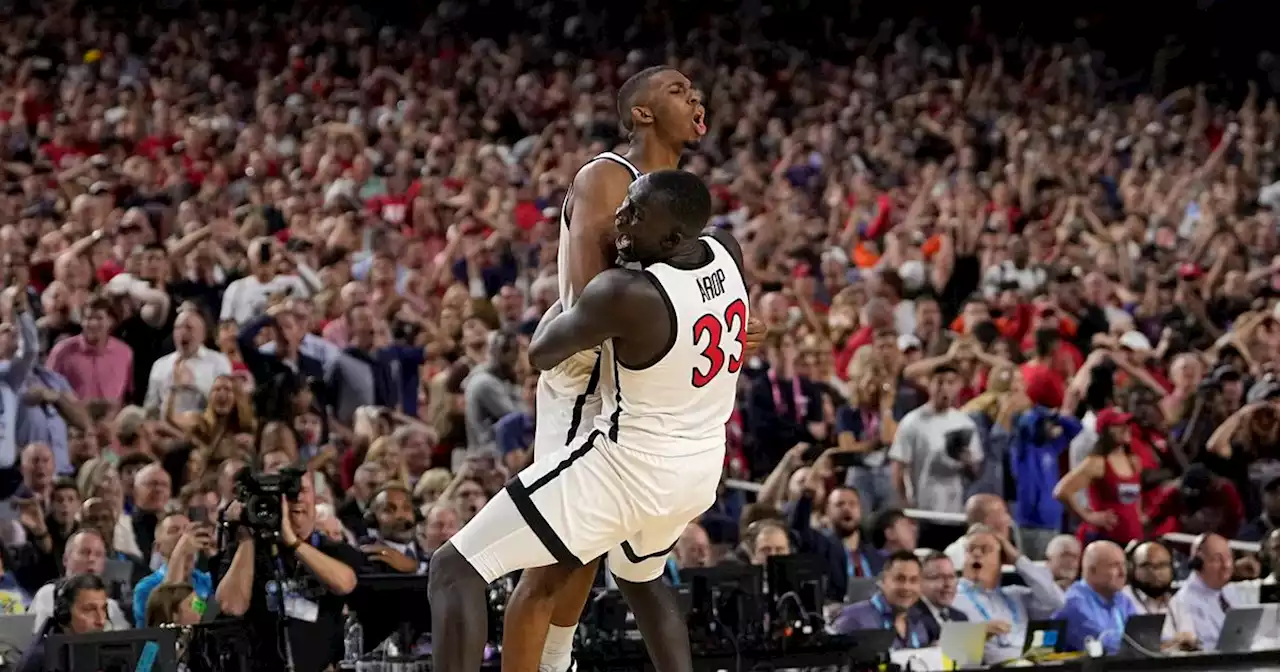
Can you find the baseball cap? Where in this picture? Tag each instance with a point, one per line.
(908, 342)
(1111, 417)
(1135, 341)
(1263, 390)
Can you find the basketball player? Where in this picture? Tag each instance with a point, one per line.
(674, 337)
(662, 112)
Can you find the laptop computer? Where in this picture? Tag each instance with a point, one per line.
(16, 629)
(870, 645)
(1142, 635)
(962, 642)
(860, 589)
(1239, 629)
(1044, 637)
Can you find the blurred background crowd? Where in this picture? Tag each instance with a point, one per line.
(1020, 270)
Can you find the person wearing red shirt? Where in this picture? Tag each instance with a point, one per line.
(1202, 503)
(1113, 478)
(1045, 382)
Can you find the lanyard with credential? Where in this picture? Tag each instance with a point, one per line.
(972, 594)
(864, 567)
(888, 621)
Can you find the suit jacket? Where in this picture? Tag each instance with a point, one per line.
(931, 624)
(270, 373)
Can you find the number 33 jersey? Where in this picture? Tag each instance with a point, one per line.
(679, 403)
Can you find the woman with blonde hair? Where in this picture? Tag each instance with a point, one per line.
(100, 479)
(866, 427)
(431, 485)
(386, 452)
(228, 412)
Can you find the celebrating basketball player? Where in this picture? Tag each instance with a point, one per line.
(674, 338)
(663, 114)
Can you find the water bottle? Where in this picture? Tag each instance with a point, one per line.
(353, 643)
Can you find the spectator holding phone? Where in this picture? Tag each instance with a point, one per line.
(179, 543)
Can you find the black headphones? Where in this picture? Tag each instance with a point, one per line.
(65, 593)
(1129, 550)
(371, 517)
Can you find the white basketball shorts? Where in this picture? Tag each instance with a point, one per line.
(568, 401)
(592, 498)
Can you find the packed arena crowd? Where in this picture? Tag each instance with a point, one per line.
(996, 284)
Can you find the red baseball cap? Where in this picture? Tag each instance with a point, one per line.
(1110, 417)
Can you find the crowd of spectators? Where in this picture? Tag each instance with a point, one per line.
(299, 237)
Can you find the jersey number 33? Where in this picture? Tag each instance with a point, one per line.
(712, 329)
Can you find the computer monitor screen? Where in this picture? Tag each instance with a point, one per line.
(147, 650)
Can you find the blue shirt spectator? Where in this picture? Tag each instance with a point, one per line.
(514, 433)
(44, 423)
(1091, 616)
(201, 581)
(1042, 435)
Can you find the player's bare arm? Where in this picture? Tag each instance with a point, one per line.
(598, 190)
(619, 304)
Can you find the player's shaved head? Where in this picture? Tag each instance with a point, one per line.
(680, 194)
(632, 93)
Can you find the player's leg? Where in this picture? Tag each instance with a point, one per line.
(543, 611)
(560, 509)
(638, 565)
(495, 542)
(542, 617)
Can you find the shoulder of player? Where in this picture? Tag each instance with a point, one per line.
(601, 174)
(623, 292)
(730, 243)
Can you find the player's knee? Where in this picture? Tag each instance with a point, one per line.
(543, 583)
(450, 571)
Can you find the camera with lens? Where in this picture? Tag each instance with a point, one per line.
(260, 494)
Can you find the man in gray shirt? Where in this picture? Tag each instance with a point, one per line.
(936, 451)
(491, 391)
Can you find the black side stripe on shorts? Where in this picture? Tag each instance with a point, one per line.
(564, 464)
(617, 402)
(581, 402)
(635, 558)
(541, 528)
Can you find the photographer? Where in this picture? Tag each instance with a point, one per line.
(314, 573)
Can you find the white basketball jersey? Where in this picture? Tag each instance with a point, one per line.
(679, 405)
(564, 252)
(569, 395)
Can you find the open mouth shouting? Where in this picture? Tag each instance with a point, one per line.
(700, 121)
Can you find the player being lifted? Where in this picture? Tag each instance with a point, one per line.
(663, 114)
(674, 337)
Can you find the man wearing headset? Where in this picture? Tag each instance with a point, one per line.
(80, 607)
(85, 554)
(392, 520)
(1151, 591)
(1205, 594)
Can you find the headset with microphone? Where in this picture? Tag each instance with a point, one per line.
(65, 592)
(371, 516)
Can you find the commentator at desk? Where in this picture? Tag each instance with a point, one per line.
(317, 574)
(79, 608)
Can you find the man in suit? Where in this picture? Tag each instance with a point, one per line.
(394, 545)
(280, 374)
(938, 582)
